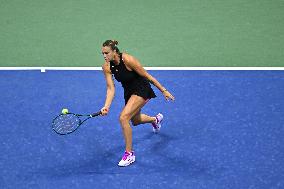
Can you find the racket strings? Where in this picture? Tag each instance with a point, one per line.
(66, 123)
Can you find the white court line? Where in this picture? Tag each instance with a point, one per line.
(43, 69)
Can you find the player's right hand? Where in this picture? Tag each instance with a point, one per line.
(104, 111)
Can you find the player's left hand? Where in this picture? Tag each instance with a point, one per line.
(168, 95)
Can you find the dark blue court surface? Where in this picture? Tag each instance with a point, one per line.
(225, 130)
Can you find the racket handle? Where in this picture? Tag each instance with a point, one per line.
(96, 114)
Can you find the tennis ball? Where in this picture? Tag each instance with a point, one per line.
(64, 111)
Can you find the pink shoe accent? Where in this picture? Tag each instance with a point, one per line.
(126, 154)
(127, 159)
(157, 124)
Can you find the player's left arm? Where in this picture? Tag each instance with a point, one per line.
(135, 65)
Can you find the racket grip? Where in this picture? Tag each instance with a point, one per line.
(96, 114)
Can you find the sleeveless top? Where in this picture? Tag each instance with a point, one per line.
(131, 81)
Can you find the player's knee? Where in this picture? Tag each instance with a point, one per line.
(124, 118)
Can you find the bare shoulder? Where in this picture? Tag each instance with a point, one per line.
(106, 68)
(130, 61)
(127, 58)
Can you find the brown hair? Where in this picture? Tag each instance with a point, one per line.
(112, 44)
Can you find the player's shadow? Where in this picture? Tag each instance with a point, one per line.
(102, 163)
(162, 150)
(155, 155)
(159, 142)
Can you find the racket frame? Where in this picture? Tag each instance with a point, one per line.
(88, 116)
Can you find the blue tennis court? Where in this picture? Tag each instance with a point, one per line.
(224, 130)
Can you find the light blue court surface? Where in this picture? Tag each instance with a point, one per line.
(225, 130)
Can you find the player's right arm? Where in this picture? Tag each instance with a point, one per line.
(110, 90)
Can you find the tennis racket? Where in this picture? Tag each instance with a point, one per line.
(64, 124)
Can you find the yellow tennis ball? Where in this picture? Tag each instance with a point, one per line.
(64, 111)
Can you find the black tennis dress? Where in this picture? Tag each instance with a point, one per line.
(131, 81)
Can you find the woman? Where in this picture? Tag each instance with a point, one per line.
(137, 91)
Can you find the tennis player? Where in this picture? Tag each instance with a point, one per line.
(135, 81)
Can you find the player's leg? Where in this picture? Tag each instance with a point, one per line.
(143, 118)
(133, 105)
(140, 118)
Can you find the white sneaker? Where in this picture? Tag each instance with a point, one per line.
(157, 124)
(127, 159)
